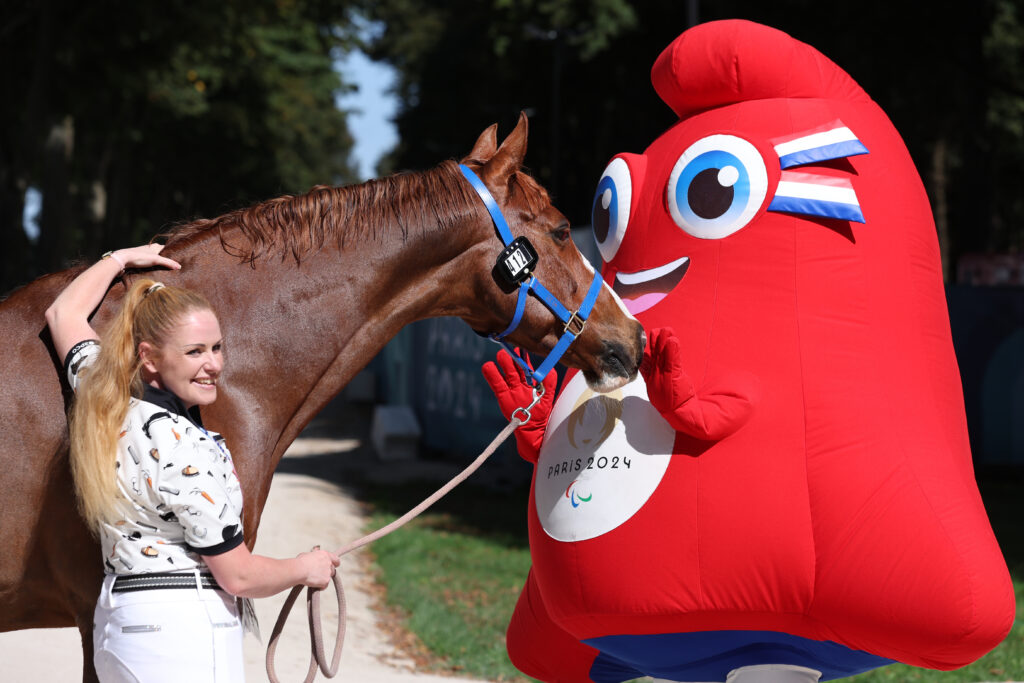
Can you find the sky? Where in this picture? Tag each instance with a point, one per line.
(371, 108)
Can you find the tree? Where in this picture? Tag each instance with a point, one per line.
(466, 64)
(931, 78)
(952, 82)
(1004, 54)
(162, 112)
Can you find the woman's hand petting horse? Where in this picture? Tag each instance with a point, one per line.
(67, 316)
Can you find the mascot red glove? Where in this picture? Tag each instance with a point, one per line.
(513, 392)
(789, 483)
(722, 405)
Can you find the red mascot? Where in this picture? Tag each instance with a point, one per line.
(786, 492)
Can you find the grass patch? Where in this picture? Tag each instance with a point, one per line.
(456, 572)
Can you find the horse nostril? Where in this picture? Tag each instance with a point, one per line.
(617, 360)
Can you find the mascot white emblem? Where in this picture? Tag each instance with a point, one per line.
(593, 473)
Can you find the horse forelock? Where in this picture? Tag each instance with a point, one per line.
(410, 203)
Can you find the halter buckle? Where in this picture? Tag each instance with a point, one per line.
(575, 322)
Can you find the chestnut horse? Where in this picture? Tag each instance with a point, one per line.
(308, 289)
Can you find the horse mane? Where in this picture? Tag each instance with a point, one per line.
(297, 225)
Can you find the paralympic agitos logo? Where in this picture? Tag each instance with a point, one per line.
(575, 498)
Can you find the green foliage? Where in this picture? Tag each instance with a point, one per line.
(953, 84)
(577, 68)
(1004, 50)
(587, 27)
(455, 573)
(165, 111)
(460, 616)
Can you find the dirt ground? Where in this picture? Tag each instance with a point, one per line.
(306, 507)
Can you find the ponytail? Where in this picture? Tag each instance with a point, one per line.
(149, 311)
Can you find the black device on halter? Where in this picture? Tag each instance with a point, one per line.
(516, 262)
(514, 271)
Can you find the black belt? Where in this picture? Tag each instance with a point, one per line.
(161, 581)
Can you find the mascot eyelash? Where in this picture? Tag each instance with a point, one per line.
(813, 194)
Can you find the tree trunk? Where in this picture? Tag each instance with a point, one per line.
(55, 228)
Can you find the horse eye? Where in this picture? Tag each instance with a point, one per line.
(610, 212)
(717, 186)
(562, 234)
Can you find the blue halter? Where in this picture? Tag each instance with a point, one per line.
(574, 322)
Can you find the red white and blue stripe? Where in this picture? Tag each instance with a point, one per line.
(816, 195)
(830, 141)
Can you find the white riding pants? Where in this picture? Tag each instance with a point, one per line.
(167, 636)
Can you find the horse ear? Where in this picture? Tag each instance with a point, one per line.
(485, 145)
(509, 157)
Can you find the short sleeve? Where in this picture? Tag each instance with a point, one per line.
(196, 481)
(82, 355)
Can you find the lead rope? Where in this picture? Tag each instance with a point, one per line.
(318, 656)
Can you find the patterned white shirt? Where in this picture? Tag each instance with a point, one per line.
(181, 495)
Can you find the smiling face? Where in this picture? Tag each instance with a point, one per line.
(659, 215)
(189, 361)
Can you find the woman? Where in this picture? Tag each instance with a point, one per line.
(159, 490)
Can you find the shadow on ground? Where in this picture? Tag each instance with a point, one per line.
(336, 447)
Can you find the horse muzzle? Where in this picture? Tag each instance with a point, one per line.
(617, 363)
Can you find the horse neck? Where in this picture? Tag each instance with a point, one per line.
(298, 329)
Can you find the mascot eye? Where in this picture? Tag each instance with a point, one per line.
(610, 213)
(717, 186)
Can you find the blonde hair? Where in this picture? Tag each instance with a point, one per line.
(148, 314)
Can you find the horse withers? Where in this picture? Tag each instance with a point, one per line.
(308, 289)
